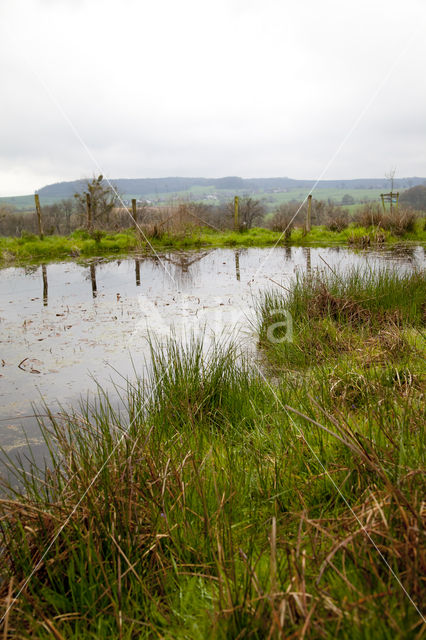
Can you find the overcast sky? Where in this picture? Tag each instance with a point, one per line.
(255, 88)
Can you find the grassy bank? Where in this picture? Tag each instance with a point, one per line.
(233, 507)
(81, 243)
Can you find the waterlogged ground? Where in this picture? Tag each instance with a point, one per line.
(66, 327)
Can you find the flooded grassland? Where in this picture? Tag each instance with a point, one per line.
(65, 327)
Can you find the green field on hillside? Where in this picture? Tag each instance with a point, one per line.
(200, 194)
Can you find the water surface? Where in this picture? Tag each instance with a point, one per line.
(65, 327)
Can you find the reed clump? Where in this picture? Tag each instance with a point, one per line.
(398, 220)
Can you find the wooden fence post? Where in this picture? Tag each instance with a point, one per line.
(236, 214)
(308, 213)
(89, 212)
(134, 212)
(39, 218)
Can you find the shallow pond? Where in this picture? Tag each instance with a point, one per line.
(67, 326)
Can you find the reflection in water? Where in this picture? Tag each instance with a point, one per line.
(138, 272)
(237, 265)
(408, 252)
(182, 262)
(93, 279)
(307, 252)
(76, 336)
(45, 284)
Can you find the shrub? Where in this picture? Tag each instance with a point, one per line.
(284, 218)
(28, 237)
(339, 221)
(399, 221)
(415, 197)
(370, 215)
(97, 235)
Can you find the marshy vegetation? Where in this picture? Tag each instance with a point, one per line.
(69, 231)
(29, 247)
(234, 498)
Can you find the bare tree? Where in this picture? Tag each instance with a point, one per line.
(250, 211)
(52, 216)
(67, 208)
(390, 175)
(103, 198)
(284, 218)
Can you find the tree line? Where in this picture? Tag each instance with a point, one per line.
(109, 214)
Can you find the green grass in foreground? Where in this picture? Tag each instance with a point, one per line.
(80, 243)
(233, 507)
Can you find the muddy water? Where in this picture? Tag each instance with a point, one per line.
(66, 327)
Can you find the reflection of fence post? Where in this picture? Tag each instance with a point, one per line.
(39, 218)
(237, 265)
(89, 212)
(308, 260)
(138, 273)
(93, 279)
(45, 284)
(236, 221)
(308, 213)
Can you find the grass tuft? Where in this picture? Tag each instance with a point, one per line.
(217, 504)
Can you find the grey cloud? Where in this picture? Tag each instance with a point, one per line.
(254, 89)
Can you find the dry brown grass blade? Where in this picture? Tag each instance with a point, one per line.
(356, 450)
(368, 459)
(48, 624)
(15, 505)
(335, 549)
(308, 620)
(7, 607)
(273, 562)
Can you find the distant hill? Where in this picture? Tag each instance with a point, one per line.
(149, 186)
(272, 191)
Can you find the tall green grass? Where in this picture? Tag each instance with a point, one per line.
(80, 243)
(30, 248)
(360, 311)
(217, 503)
